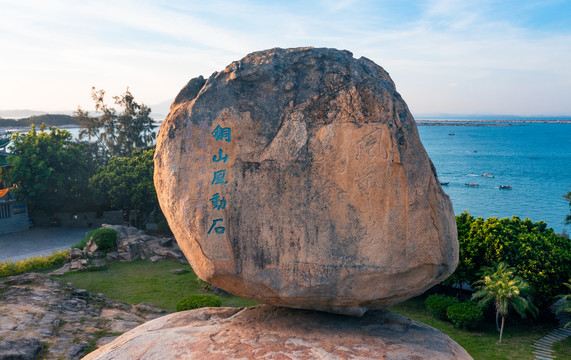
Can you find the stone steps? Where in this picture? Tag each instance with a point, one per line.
(542, 347)
(543, 354)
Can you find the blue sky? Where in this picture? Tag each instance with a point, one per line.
(463, 57)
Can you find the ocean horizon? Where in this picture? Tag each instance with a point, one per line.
(532, 158)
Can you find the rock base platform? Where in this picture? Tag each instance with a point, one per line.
(269, 332)
(41, 318)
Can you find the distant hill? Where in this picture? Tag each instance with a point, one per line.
(487, 117)
(161, 110)
(48, 119)
(17, 114)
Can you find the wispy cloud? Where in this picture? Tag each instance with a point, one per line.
(59, 49)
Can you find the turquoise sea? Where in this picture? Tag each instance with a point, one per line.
(534, 159)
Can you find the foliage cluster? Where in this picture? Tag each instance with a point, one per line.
(448, 308)
(118, 133)
(198, 301)
(49, 169)
(10, 267)
(539, 256)
(465, 315)
(80, 245)
(127, 183)
(501, 287)
(437, 305)
(105, 239)
(52, 172)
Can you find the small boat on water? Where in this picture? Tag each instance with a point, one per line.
(445, 183)
(505, 187)
(451, 134)
(488, 175)
(471, 185)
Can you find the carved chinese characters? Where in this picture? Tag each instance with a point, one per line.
(296, 177)
(219, 178)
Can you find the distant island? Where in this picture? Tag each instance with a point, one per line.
(479, 122)
(48, 119)
(60, 120)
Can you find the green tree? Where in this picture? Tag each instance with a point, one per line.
(50, 170)
(501, 287)
(470, 253)
(127, 183)
(118, 133)
(540, 256)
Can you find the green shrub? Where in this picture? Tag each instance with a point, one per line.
(465, 314)
(80, 245)
(437, 304)
(540, 256)
(197, 301)
(105, 239)
(10, 268)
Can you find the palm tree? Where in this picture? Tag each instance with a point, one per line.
(500, 286)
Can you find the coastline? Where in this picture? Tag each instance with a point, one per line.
(66, 126)
(502, 123)
(419, 122)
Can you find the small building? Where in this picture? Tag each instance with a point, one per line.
(13, 214)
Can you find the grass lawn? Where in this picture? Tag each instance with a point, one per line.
(563, 348)
(143, 281)
(482, 342)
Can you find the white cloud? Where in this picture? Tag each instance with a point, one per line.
(58, 49)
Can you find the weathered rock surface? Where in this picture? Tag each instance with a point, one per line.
(296, 177)
(20, 349)
(132, 244)
(36, 310)
(135, 244)
(267, 332)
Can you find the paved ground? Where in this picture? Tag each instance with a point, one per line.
(38, 241)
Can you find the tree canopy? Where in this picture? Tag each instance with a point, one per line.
(118, 133)
(540, 256)
(127, 183)
(50, 171)
(505, 290)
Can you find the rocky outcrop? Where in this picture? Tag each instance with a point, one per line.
(20, 349)
(135, 244)
(132, 244)
(296, 177)
(267, 332)
(40, 314)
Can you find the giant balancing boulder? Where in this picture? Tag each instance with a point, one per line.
(296, 177)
